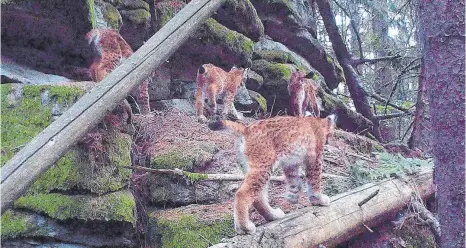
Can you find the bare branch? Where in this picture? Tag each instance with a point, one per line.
(353, 25)
(357, 62)
(392, 116)
(381, 99)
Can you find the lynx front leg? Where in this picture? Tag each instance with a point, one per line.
(293, 182)
(229, 106)
(200, 105)
(250, 189)
(263, 207)
(314, 180)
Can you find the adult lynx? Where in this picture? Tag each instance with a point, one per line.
(284, 141)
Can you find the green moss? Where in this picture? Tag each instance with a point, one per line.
(172, 160)
(14, 225)
(189, 232)
(137, 16)
(92, 15)
(22, 119)
(220, 34)
(184, 158)
(63, 176)
(273, 73)
(118, 206)
(195, 176)
(276, 56)
(112, 16)
(54, 205)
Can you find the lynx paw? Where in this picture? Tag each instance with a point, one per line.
(320, 200)
(202, 119)
(250, 228)
(277, 213)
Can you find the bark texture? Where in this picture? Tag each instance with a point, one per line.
(442, 27)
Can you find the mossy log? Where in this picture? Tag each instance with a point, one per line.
(349, 214)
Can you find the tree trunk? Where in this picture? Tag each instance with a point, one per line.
(358, 94)
(421, 135)
(348, 215)
(442, 26)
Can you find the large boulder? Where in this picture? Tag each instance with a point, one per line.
(48, 35)
(136, 21)
(240, 16)
(291, 23)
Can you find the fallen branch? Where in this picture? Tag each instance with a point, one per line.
(212, 177)
(343, 219)
(427, 216)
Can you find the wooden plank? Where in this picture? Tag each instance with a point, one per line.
(340, 221)
(45, 149)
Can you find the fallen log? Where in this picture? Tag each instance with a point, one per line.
(343, 219)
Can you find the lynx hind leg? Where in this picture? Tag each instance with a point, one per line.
(142, 96)
(212, 101)
(263, 207)
(314, 180)
(293, 182)
(250, 189)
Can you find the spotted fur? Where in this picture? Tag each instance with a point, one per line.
(111, 50)
(303, 92)
(288, 142)
(213, 83)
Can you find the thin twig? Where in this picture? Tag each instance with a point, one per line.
(213, 177)
(365, 200)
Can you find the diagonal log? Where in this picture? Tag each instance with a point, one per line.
(45, 149)
(343, 219)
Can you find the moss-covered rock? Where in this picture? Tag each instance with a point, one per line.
(165, 11)
(74, 170)
(117, 206)
(136, 16)
(107, 15)
(14, 224)
(27, 110)
(219, 34)
(188, 230)
(241, 16)
(273, 73)
(186, 158)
